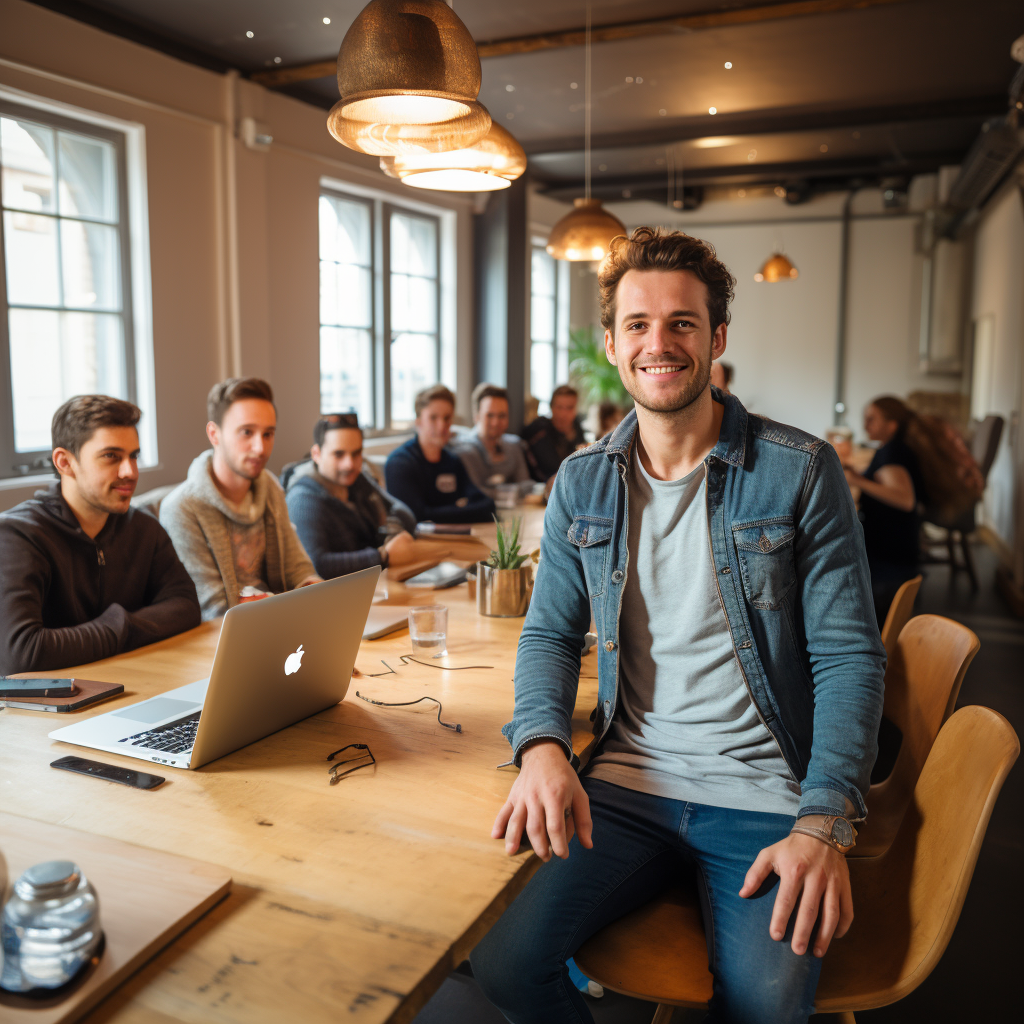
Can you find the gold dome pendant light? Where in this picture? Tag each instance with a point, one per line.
(409, 77)
(586, 232)
(488, 165)
(777, 268)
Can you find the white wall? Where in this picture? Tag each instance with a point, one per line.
(999, 294)
(233, 232)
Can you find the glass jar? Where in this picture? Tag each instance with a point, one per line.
(49, 928)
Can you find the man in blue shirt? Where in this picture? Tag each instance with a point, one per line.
(739, 671)
(427, 475)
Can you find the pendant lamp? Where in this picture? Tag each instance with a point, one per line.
(586, 232)
(488, 165)
(409, 76)
(777, 268)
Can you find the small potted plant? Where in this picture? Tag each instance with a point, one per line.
(505, 581)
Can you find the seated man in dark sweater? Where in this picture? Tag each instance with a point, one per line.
(83, 575)
(430, 477)
(340, 514)
(550, 440)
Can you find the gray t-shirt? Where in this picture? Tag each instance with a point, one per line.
(686, 727)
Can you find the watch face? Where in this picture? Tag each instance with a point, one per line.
(842, 832)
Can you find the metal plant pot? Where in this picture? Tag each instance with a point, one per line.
(503, 593)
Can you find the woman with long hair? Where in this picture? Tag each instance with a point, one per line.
(891, 489)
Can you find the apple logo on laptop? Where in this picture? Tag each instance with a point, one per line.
(294, 661)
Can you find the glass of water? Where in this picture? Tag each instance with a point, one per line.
(428, 629)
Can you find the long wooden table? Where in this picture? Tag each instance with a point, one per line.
(350, 902)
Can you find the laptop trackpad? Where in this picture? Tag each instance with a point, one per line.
(157, 709)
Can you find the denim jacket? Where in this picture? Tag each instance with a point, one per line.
(788, 554)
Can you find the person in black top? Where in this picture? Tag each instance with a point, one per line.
(83, 575)
(550, 440)
(891, 490)
(428, 476)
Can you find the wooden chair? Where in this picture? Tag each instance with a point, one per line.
(922, 682)
(899, 613)
(907, 901)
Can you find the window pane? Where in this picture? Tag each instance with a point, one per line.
(413, 304)
(344, 231)
(542, 273)
(413, 245)
(345, 295)
(31, 256)
(542, 372)
(413, 367)
(346, 372)
(26, 152)
(56, 355)
(542, 318)
(88, 178)
(91, 267)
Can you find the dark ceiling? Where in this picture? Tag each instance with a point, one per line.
(869, 89)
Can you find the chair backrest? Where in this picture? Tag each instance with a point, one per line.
(899, 614)
(922, 682)
(985, 442)
(150, 500)
(909, 900)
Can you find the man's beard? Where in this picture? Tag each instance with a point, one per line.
(695, 387)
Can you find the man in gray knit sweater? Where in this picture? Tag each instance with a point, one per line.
(228, 521)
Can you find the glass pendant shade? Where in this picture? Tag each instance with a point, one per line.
(409, 76)
(777, 268)
(488, 165)
(585, 233)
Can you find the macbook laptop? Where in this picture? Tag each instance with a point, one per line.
(278, 660)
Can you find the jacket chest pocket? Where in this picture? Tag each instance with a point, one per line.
(593, 535)
(765, 552)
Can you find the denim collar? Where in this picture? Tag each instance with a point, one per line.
(732, 438)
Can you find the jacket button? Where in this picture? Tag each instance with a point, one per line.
(745, 644)
(726, 570)
(617, 576)
(609, 645)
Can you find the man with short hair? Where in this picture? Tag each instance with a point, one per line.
(739, 677)
(83, 575)
(721, 375)
(492, 456)
(550, 440)
(427, 475)
(341, 515)
(229, 520)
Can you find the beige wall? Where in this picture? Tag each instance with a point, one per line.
(233, 232)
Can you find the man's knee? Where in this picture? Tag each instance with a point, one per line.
(507, 966)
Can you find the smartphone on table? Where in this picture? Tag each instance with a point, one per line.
(36, 687)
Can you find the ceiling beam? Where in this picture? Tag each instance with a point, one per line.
(680, 24)
(777, 121)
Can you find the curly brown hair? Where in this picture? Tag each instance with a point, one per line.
(655, 249)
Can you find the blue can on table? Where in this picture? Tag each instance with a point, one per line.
(49, 928)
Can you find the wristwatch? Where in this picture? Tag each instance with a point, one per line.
(833, 829)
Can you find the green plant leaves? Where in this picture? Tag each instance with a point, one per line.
(590, 369)
(508, 554)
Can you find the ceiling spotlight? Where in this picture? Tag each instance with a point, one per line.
(780, 191)
(712, 110)
(510, 88)
(573, 85)
(663, 111)
(327, 21)
(629, 79)
(728, 65)
(639, 81)
(277, 60)
(249, 35)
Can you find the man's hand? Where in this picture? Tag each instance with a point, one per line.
(404, 548)
(813, 873)
(548, 801)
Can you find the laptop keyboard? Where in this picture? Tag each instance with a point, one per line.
(173, 738)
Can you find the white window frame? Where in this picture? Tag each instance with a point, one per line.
(384, 204)
(560, 344)
(130, 141)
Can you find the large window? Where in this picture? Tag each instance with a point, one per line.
(379, 308)
(65, 291)
(549, 324)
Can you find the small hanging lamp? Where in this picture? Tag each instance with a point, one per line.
(409, 77)
(777, 268)
(585, 232)
(488, 165)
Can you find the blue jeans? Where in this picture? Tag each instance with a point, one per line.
(641, 844)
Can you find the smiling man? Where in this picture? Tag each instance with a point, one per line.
(228, 520)
(739, 672)
(83, 575)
